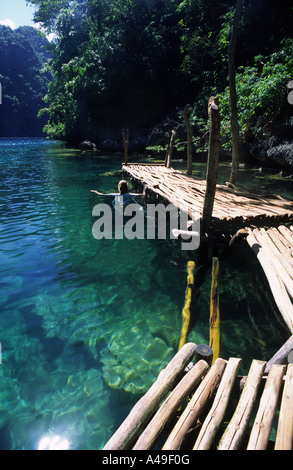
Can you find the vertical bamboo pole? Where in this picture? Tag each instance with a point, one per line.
(215, 311)
(186, 308)
(125, 136)
(189, 139)
(170, 150)
(213, 160)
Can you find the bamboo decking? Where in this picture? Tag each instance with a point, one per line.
(188, 192)
(274, 249)
(214, 409)
(272, 246)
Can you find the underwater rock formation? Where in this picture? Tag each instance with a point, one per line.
(133, 360)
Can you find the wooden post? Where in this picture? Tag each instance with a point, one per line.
(236, 428)
(196, 405)
(189, 139)
(171, 405)
(260, 433)
(203, 351)
(215, 311)
(148, 404)
(284, 438)
(186, 308)
(169, 152)
(216, 414)
(125, 136)
(213, 160)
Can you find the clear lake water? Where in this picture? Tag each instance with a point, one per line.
(85, 324)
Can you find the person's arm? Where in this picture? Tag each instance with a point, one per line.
(103, 194)
(139, 194)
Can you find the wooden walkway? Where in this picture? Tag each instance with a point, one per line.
(195, 406)
(273, 247)
(274, 250)
(188, 192)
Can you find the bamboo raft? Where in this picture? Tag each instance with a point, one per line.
(188, 192)
(193, 405)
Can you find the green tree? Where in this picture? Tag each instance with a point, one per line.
(22, 56)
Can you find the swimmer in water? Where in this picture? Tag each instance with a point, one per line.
(123, 192)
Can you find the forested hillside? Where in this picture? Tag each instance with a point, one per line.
(22, 56)
(119, 63)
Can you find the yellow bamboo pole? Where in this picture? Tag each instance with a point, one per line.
(215, 311)
(186, 308)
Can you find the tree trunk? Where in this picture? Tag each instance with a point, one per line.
(233, 94)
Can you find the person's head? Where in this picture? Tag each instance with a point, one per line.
(123, 187)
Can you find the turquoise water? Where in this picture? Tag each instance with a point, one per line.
(86, 324)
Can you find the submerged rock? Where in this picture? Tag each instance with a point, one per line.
(87, 145)
(133, 360)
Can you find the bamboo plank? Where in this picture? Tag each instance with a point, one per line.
(235, 430)
(217, 412)
(285, 249)
(278, 289)
(284, 438)
(147, 405)
(260, 433)
(287, 233)
(196, 405)
(281, 355)
(171, 405)
(276, 259)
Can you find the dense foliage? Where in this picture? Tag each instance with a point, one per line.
(128, 63)
(22, 57)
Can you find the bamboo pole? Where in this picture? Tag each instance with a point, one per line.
(278, 289)
(195, 407)
(147, 405)
(281, 355)
(186, 308)
(217, 412)
(189, 139)
(171, 405)
(284, 438)
(286, 233)
(169, 152)
(213, 160)
(215, 311)
(260, 433)
(236, 428)
(276, 258)
(125, 136)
